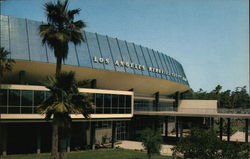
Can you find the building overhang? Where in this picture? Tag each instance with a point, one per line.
(36, 72)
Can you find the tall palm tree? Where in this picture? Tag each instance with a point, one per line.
(6, 64)
(61, 29)
(65, 99)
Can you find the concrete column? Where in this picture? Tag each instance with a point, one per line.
(22, 77)
(212, 123)
(68, 143)
(177, 127)
(4, 140)
(228, 129)
(177, 100)
(92, 135)
(38, 141)
(113, 133)
(156, 104)
(181, 127)
(166, 126)
(246, 130)
(221, 128)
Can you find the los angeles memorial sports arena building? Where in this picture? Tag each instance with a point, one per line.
(133, 87)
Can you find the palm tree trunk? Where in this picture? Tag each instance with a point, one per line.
(149, 154)
(63, 143)
(54, 146)
(58, 66)
(1, 76)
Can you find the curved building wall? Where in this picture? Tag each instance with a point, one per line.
(21, 38)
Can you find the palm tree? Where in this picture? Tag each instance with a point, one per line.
(6, 64)
(61, 29)
(65, 99)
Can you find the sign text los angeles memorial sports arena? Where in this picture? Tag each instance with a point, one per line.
(136, 66)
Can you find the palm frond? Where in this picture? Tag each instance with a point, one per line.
(72, 13)
(6, 64)
(61, 28)
(65, 97)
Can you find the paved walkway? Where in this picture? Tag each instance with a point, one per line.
(238, 136)
(134, 145)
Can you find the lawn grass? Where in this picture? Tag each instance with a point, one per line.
(93, 154)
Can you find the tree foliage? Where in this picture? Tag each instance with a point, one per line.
(206, 145)
(238, 98)
(151, 140)
(65, 100)
(61, 29)
(6, 64)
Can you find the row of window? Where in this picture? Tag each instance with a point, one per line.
(112, 104)
(27, 101)
(121, 128)
(122, 131)
(148, 105)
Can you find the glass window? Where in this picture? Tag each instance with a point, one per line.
(48, 95)
(128, 101)
(107, 103)
(122, 104)
(3, 109)
(99, 103)
(14, 97)
(115, 103)
(39, 97)
(3, 97)
(128, 104)
(14, 110)
(27, 98)
(26, 110)
(92, 96)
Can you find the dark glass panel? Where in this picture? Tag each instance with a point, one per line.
(14, 110)
(3, 97)
(3, 109)
(107, 100)
(93, 100)
(128, 110)
(99, 110)
(121, 104)
(107, 103)
(26, 110)
(99, 100)
(99, 124)
(122, 101)
(39, 97)
(48, 95)
(27, 97)
(14, 97)
(128, 101)
(99, 103)
(115, 103)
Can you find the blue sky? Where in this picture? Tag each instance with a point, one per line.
(210, 38)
